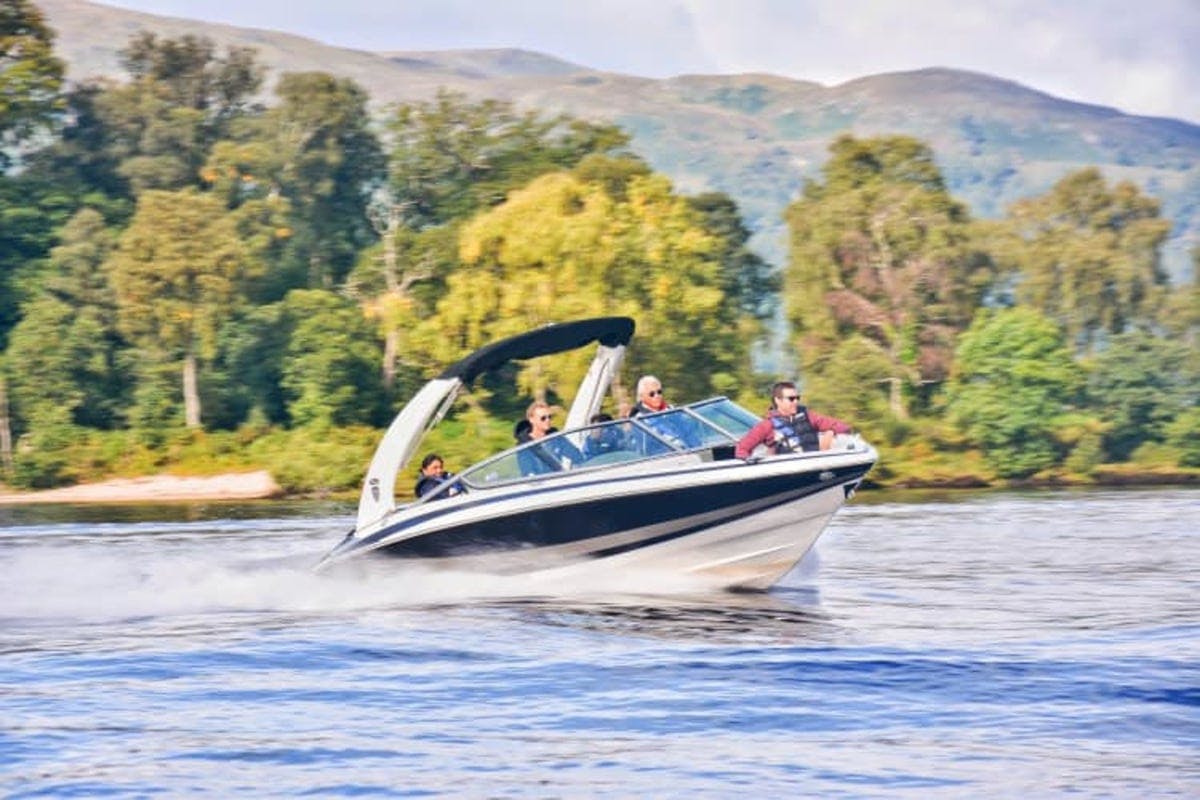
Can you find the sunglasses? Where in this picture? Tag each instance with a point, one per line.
(655, 393)
(791, 398)
(543, 417)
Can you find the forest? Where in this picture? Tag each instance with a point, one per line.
(198, 275)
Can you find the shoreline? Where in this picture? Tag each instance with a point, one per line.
(257, 485)
(260, 485)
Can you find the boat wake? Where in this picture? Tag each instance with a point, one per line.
(96, 583)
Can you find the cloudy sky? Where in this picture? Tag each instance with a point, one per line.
(1142, 56)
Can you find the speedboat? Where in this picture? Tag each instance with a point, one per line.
(652, 494)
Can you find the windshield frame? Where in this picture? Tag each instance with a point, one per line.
(717, 436)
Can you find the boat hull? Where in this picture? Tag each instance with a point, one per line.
(721, 524)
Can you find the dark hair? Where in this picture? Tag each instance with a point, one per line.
(429, 459)
(601, 417)
(778, 388)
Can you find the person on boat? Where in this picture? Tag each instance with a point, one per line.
(675, 428)
(433, 474)
(790, 427)
(650, 397)
(555, 454)
(603, 439)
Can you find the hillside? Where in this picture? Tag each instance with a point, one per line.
(757, 137)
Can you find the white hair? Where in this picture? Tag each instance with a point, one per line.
(645, 382)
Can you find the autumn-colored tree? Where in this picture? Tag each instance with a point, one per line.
(564, 248)
(1091, 257)
(880, 249)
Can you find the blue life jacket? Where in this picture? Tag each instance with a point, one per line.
(799, 434)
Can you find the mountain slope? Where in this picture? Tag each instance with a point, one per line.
(757, 137)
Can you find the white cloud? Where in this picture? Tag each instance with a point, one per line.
(1140, 56)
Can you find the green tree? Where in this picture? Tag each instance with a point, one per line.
(30, 106)
(325, 160)
(1139, 384)
(329, 368)
(1181, 317)
(1091, 258)
(1184, 432)
(65, 355)
(181, 99)
(880, 249)
(79, 378)
(1013, 376)
(747, 279)
(451, 157)
(181, 272)
(30, 76)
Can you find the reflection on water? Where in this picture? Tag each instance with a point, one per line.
(788, 615)
(989, 644)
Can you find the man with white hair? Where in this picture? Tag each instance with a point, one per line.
(677, 428)
(650, 396)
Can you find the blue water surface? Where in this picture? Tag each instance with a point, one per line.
(985, 645)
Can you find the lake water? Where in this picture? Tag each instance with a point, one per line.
(963, 645)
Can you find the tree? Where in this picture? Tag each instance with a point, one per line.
(78, 381)
(182, 98)
(1013, 376)
(451, 158)
(880, 249)
(329, 375)
(30, 105)
(564, 248)
(180, 272)
(30, 76)
(1091, 257)
(748, 280)
(1181, 314)
(1140, 384)
(326, 162)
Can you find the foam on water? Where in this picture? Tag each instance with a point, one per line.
(196, 569)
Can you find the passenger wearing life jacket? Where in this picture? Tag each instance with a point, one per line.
(790, 427)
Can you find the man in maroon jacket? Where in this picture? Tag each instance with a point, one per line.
(790, 427)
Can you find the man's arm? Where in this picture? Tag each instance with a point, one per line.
(759, 434)
(824, 423)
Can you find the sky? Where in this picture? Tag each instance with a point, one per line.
(1141, 56)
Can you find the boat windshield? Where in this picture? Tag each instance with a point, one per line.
(700, 426)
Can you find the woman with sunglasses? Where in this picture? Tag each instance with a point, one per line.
(790, 427)
(556, 454)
